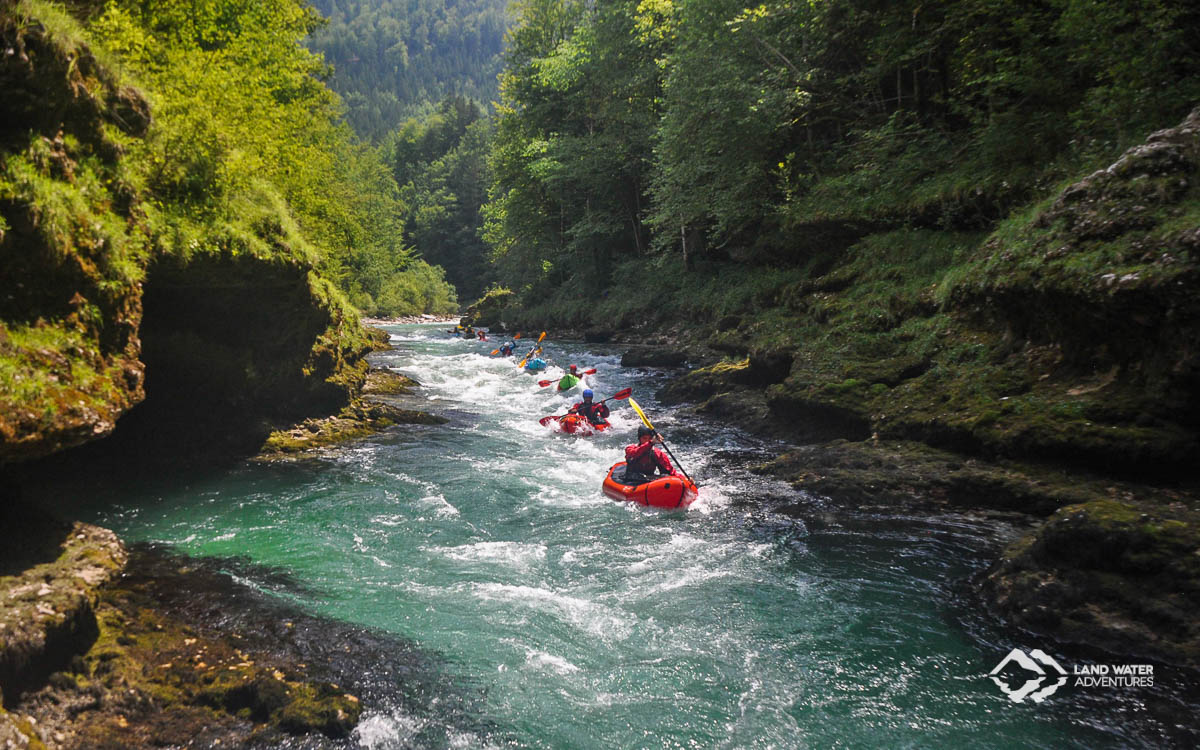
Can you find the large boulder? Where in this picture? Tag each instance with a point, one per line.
(1115, 574)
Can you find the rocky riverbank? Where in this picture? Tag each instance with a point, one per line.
(374, 411)
(94, 655)
(1108, 562)
(101, 647)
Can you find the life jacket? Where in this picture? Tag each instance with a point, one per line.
(595, 412)
(645, 459)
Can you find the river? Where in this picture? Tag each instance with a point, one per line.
(557, 618)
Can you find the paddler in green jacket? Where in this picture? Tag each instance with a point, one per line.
(569, 380)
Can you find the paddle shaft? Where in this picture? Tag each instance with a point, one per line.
(544, 383)
(536, 348)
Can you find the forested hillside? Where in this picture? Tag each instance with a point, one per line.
(854, 188)
(440, 162)
(393, 60)
(709, 130)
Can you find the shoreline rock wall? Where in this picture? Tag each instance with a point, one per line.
(1048, 367)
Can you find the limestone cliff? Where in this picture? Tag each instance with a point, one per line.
(71, 256)
(223, 339)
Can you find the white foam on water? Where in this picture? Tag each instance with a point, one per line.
(542, 661)
(518, 555)
(440, 505)
(467, 740)
(589, 617)
(378, 731)
(389, 519)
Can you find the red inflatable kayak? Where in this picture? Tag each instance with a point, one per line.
(578, 425)
(662, 492)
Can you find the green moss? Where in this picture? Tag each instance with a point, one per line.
(27, 730)
(319, 708)
(359, 420)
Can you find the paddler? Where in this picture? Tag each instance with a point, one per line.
(482, 334)
(507, 349)
(596, 413)
(644, 458)
(570, 379)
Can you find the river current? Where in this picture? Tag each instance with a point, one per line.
(557, 618)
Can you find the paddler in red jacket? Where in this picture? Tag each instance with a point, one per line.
(645, 459)
(596, 413)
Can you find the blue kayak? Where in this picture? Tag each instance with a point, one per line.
(535, 365)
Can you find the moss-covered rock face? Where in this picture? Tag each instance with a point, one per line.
(235, 345)
(50, 575)
(71, 256)
(489, 311)
(1100, 286)
(223, 336)
(149, 677)
(1120, 574)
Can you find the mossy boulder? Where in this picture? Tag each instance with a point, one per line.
(50, 575)
(362, 418)
(653, 357)
(1121, 574)
(297, 708)
(705, 382)
(489, 310)
(383, 382)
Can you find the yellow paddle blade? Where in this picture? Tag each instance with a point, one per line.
(541, 337)
(640, 413)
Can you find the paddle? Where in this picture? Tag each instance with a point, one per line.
(544, 383)
(620, 395)
(531, 351)
(646, 422)
(497, 351)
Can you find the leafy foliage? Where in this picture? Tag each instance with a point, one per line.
(760, 134)
(440, 162)
(248, 152)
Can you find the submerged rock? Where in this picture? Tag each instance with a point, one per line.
(1122, 575)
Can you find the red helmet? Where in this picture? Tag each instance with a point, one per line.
(573, 368)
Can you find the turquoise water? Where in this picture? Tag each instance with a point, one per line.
(583, 623)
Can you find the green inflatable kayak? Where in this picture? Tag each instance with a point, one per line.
(567, 382)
